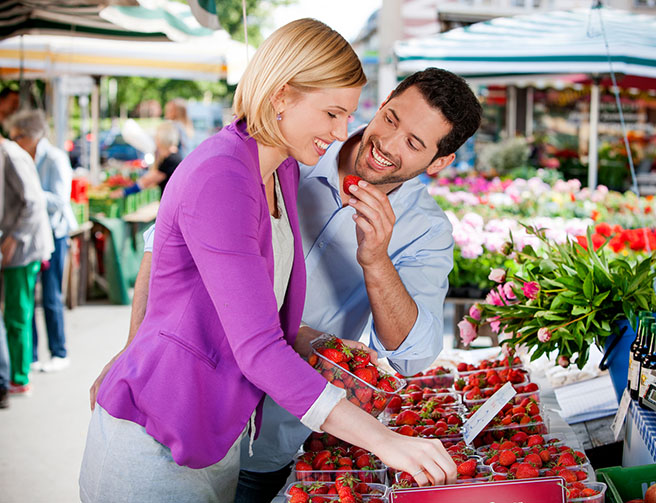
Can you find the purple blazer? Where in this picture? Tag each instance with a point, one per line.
(212, 342)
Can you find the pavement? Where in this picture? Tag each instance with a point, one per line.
(42, 437)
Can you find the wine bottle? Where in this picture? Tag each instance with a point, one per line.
(641, 351)
(648, 369)
(634, 364)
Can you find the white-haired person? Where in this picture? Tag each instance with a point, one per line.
(167, 158)
(29, 129)
(227, 287)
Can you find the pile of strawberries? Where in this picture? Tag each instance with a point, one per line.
(531, 456)
(491, 379)
(352, 370)
(437, 377)
(438, 423)
(490, 364)
(345, 489)
(414, 396)
(580, 490)
(326, 458)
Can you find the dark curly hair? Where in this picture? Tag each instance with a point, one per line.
(453, 97)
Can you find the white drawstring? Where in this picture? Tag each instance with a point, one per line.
(251, 434)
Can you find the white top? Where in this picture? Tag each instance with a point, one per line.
(283, 247)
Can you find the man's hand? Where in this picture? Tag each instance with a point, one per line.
(374, 223)
(8, 248)
(116, 194)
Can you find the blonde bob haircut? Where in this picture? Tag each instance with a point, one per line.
(304, 54)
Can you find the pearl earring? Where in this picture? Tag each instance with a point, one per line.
(279, 116)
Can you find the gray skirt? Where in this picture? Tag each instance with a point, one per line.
(122, 463)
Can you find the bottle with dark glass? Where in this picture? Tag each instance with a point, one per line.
(640, 352)
(648, 369)
(634, 364)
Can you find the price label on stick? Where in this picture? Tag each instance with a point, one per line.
(482, 417)
(620, 417)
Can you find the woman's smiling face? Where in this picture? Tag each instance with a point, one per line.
(312, 120)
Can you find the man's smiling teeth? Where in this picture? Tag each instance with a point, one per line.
(320, 144)
(379, 158)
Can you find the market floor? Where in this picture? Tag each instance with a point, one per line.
(42, 437)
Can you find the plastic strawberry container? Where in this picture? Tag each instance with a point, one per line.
(369, 398)
(516, 400)
(600, 487)
(578, 470)
(483, 474)
(377, 492)
(428, 379)
(377, 475)
(466, 375)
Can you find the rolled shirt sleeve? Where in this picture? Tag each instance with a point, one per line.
(149, 239)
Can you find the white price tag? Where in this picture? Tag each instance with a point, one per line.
(620, 417)
(481, 418)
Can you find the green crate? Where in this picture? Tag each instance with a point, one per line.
(153, 194)
(626, 483)
(131, 203)
(81, 211)
(111, 208)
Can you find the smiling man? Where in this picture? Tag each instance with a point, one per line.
(377, 259)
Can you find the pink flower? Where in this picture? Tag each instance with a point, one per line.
(544, 334)
(467, 332)
(475, 312)
(563, 361)
(531, 289)
(508, 290)
(497, 275)
(495, 324)
(494, 298)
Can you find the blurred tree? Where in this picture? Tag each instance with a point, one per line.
(258, 14)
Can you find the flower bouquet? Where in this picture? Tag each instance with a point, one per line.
(564, 298)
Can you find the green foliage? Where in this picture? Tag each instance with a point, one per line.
(582, 293)
(133, 90)
(230, 15)
(474, 272)
(505, 156)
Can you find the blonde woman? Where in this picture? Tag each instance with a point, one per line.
(226, 295)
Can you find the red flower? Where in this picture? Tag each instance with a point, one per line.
(594, 215)
(648, 210)
(604, 229)
(616, 243)
(583, 241)
(597, 241)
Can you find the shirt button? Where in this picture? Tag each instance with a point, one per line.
(322, 244)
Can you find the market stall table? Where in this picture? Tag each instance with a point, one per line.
(122, 251)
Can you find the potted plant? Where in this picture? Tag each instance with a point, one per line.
(565, 297)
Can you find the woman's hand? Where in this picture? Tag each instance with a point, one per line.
(425, 459)
(93, 391)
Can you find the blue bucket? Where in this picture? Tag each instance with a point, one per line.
(616, 355)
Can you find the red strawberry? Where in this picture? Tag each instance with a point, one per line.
(387, 383)
(364, 394)
(332, 354)
(350, 180)
(366, 375)
(302, 466)
(534, 459)
(566, 459)
(535, 440)
(526, 471)
(408, 417)
(360, 359)
(364, 460)
(468, 468)
(299, 497)
(320, 458)
(507, 458)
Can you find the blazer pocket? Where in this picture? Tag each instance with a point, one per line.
(212, 363)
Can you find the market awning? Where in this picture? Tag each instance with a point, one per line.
(555, 42)
(120, 19)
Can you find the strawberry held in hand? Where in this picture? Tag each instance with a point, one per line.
(350, 180)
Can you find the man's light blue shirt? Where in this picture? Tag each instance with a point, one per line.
(56, 176)
(421, 250)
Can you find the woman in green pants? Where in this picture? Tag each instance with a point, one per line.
(26, 241)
